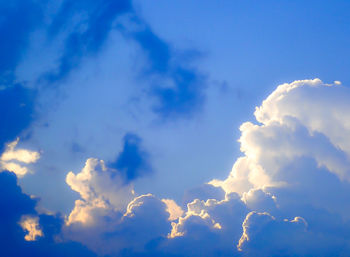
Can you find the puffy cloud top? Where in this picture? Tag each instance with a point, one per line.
(100, 188)
(287, 195)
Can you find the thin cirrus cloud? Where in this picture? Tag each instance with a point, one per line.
(272, 205)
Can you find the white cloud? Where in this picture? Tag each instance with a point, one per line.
(101, 190)
(288, 194)
(319, 107)
(15, 159)
(293, 180)
(145, 219)
(296, 164)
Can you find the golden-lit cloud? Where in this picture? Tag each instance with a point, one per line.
(15, 160)
(31, 225)
(174, 210)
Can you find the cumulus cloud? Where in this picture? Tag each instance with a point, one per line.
(288, 195)
(146, 224)
(109, 218)
(295, 164)
(101, 190)
(14, 159)
(263, 235)
(144, 220)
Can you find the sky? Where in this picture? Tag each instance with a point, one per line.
(174, 128)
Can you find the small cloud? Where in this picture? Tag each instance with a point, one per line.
(15, 159)
(31, 225)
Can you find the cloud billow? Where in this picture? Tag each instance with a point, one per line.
(287, 196)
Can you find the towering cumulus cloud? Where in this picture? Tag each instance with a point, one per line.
(294, 174)
(288, 195)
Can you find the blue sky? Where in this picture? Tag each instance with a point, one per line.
(123, 116)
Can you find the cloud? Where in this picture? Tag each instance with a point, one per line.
(109, 218)
(20, 155)
(295, 165)
(101, 190)
(288, 194)
(147, 225)
(116, 232)
(174, 210)
(291, 185)
(11, 158)
(263, 235)
(291, 130)
(31, 225)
